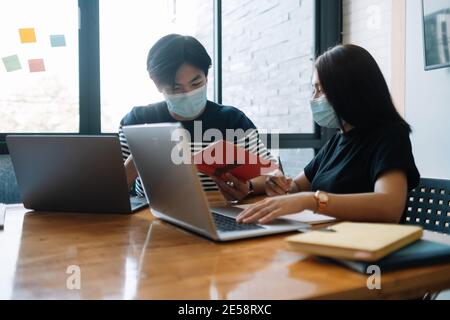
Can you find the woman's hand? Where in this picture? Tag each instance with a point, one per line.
(270, 209)
(232, 188)
(278, 186)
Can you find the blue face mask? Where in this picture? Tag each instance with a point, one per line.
(188, 105)
(324, 114)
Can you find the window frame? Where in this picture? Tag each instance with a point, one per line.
(89, 74)
(327, 33)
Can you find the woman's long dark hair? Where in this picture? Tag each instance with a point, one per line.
(355, 86)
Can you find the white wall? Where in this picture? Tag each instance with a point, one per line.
(427, 96)
(427, 102)
(368, 23)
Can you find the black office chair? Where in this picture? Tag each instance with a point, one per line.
(428, 206)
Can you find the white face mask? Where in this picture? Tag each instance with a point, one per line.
(188, 105)
(324, 114)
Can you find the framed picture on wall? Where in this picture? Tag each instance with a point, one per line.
(436, 26)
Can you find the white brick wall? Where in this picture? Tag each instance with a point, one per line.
(267, 63)
(267, 50)
(205, 25)
(368, 23)
(267, 46)
(267, 66)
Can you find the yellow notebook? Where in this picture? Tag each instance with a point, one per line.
(356, 241)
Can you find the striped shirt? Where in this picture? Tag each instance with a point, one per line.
(214, 117)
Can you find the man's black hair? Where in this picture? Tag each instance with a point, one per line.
(171, 52)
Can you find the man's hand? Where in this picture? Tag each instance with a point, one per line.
(131, 172)
(232, 188)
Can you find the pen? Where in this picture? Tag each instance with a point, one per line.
(280, 166)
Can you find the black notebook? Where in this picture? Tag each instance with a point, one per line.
(420, 253)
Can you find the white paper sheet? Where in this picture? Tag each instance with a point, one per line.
(307, 217)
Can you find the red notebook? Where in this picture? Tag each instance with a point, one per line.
(225, 157)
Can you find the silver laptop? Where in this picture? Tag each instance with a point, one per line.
(72, 174)
(175, 193)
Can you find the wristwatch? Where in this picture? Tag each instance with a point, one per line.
(322, 201)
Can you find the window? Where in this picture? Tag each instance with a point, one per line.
(268, 50)
(39, 66)
(294, 160)
(268, 53)
(83, 73)
(124, 46)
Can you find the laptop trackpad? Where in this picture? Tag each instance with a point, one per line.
(232, 212)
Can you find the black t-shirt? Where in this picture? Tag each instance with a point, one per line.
(351, 163)
(215, 116)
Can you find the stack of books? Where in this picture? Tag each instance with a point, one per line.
(360, 245)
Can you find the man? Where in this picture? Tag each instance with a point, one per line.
(179, 66)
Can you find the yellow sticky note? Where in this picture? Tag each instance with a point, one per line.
(27, 35)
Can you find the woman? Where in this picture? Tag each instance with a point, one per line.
(364, 173)
(179, 65)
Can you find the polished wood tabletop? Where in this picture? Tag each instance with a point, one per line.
(139, 257)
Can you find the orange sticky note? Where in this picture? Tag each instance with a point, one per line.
(27, 35)
(36, 65)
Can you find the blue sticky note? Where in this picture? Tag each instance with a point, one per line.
(58, 41)
(12, 63)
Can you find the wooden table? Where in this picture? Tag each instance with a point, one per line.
(138, 257)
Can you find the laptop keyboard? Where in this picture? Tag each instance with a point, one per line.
(227, 224)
